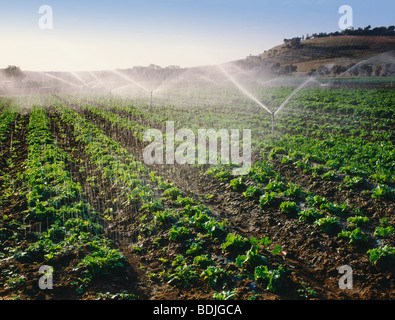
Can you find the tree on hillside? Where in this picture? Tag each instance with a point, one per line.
(338, 69)
(14, 72)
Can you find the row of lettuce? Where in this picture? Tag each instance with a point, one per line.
(7, 116)
(65, 222)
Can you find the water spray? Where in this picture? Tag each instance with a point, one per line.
(130, 80)
(60, 79)
(248, 94)
(292, 94)
(80, 79)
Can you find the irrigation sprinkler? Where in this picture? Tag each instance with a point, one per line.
(272, 124)
(249, 95)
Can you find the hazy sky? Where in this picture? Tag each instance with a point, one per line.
(97, 35)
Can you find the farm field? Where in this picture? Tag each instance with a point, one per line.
(77, 195)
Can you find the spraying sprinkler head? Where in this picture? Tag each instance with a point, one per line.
(272, 124)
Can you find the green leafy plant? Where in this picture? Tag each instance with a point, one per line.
(294, 191)
(251, 259)
(215, 229)
(383, 191)
(226, 295)
(268, 198)
(330, 175)
(253, 192)
(215, 276)
(172, 193)
(310, 215)
(306, 291)
(268, 277)
(377, 254)
(327, 224)
(235, 242)
(183, 275)
(357, 221)
(354, 237)
(351, 182)
(194, 249)
(237, 184)
(289, 207)
(202, 261)
(183, 201)
(384, 230)
(178, 233)
(165, 217)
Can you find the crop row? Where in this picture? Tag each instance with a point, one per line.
(56, 203)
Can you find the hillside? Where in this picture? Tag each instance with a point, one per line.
(329, 56)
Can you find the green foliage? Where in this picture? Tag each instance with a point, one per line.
(202, 261)
(102, 259)
(385, 229)
(194, 248)
(294, 191)
(306, 291)
(183, 275)
(268, 278)
(310, 215)
(225, 295)
(183, 201)
(377, 254)
(178, 233)
(215, 276)
(237, 184)
(268, 198)
(172, 193)
(384, 232)
(357, 221)
(383, 192)
(215, 229)
(327, 224)
(251, 259)
(354, 237)
(351, 182)
(253, 192)
(289, 207)
(165, 217)
(234, 243)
